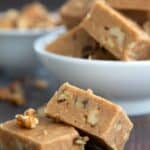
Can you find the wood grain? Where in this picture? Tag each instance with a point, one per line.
(140, 137)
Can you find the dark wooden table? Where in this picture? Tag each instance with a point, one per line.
(140, 138)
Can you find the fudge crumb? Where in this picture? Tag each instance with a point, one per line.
(89, 91)
(28, 120)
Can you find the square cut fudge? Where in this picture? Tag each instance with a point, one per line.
(78, 43)
(91, 114)
(73, 11)
(46, 136)
(118, 34)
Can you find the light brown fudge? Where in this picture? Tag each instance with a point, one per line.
(73, 11)
(92, 114)
(118, 34)
(46, 136)
(78, 43)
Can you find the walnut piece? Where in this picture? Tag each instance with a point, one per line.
(92, 117)
(81, 140)
(64, 96)
(118, 34)
(28, 119)
(81, 102)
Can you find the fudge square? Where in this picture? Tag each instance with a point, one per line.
(118, 34)
(78, 43)
(92, 114)
(46, 136)
(73, 11)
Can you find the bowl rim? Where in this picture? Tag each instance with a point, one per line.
(41, 42)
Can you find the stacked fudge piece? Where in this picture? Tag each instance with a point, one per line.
(73, 110)
(30, 132)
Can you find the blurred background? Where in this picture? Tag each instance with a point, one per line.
(51, 4)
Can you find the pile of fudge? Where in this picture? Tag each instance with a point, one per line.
(105, 30)
(73, 119)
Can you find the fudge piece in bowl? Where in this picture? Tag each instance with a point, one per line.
(118, 34)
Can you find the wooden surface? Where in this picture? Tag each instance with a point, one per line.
(139, 140)
(140, 137)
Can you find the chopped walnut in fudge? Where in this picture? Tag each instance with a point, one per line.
(93, 117)
(81, 141)
(28, 119)
(96, 52)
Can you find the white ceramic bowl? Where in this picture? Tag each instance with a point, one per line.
(16, 49)
(126, 83)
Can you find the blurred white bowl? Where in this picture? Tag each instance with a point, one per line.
(16, 49)
(126, 83)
